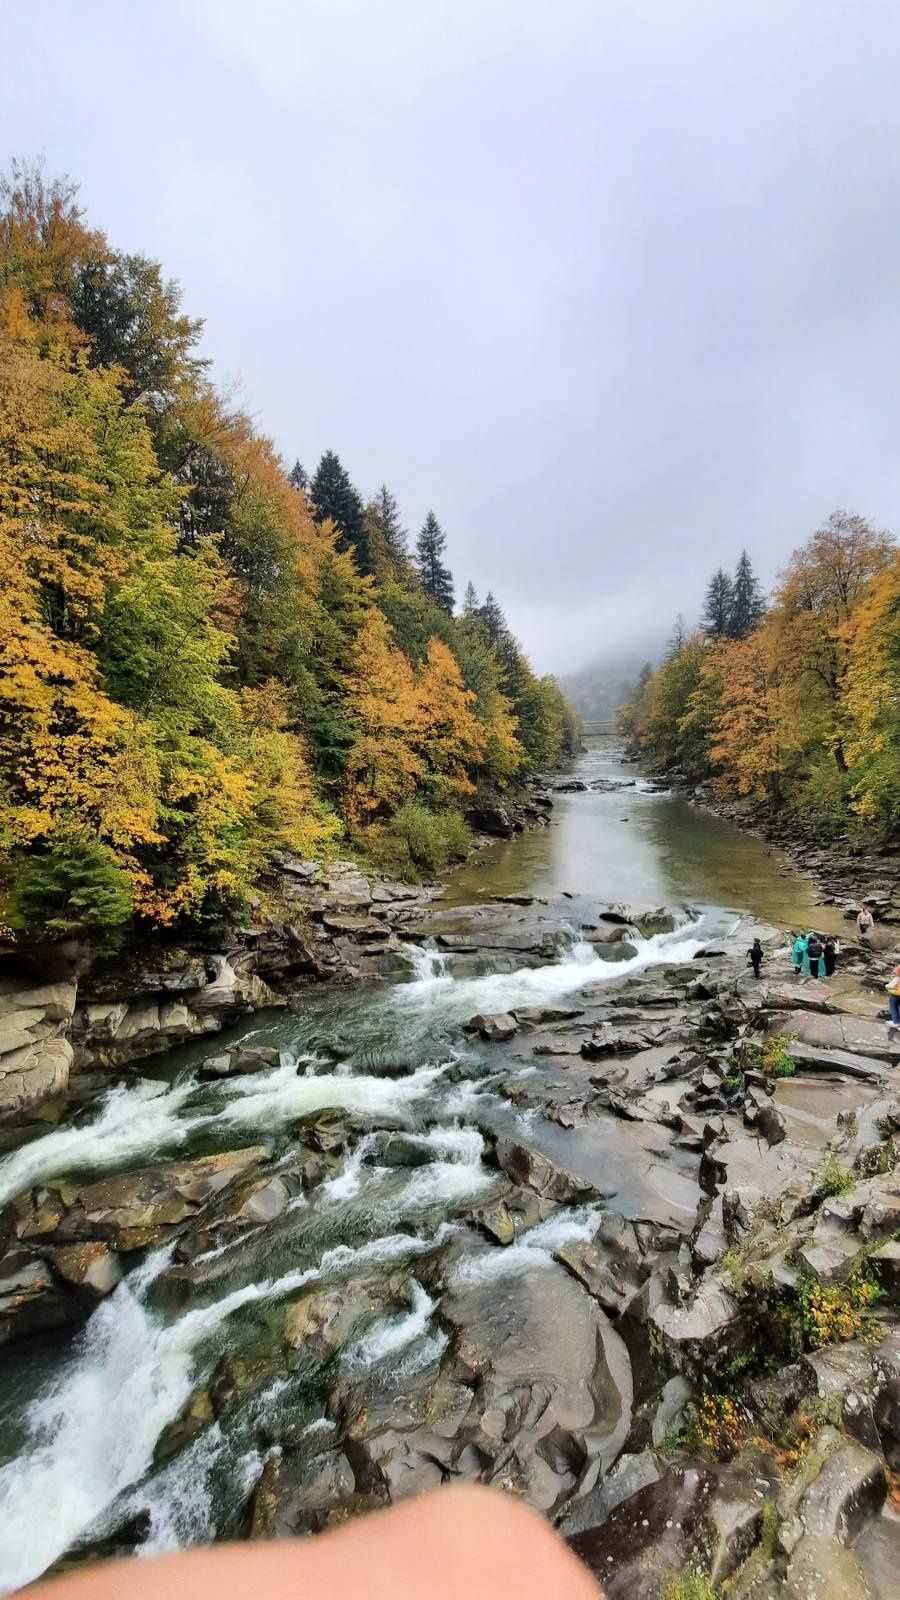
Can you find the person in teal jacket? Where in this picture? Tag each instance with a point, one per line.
(801, 959)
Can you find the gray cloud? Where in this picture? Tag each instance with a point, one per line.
(614, 288)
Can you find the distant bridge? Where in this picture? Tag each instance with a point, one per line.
(593, 729)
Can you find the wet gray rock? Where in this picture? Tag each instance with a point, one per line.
(821, 1569)
(31, 1298)
(630, 1474)
(531, 1170)
(491, 819)
(493, 1028)
(693, 1516)
(132, 1210)
(850, 1489)
(553, 1379)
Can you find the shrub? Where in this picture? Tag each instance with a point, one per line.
(716, 1424)
(74, 890)
(830, 1313)
(776, 1059)
(833, 1178)
(692, 1585)
(418, 840)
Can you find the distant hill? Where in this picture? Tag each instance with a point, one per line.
(597, 691)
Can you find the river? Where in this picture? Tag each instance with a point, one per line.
(91, 1447)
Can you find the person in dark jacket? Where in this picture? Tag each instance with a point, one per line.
(815, 952)
(830, 957)
(754, 956)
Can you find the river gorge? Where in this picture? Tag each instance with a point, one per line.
(494, 1214)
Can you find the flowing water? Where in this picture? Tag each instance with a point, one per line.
(81, 1423)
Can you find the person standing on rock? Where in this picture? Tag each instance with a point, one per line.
(814, 953)
(754, 956)
(830, 957)
(893, 993)
(864, 923)
(799, 953)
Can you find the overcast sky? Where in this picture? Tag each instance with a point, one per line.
(612, 285)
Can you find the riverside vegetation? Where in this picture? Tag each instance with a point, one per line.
(205, 658)
(792, 707)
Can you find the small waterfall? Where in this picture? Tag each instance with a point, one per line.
(428, 962)
(92, 1433)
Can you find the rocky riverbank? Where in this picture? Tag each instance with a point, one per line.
(658, 1298)
(69, 1021)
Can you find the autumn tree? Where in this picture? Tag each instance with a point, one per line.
(435, 577)
(451, 739)
(871, 706)
(384, 762)
(815, 600)
(745, 745)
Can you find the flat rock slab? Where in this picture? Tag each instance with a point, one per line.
(858, 1035)
(818, 1058)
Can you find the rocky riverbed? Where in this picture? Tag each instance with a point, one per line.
(543, 1217)
(496, 1180)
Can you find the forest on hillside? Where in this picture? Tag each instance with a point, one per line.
(206, 658)
(793, 701)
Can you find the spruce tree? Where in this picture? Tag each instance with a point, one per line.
(436, 579)
(470, 600)
(717, 607)
(335, 499)
(298, 477)
(678, 640)
(386, 532)
(747, 606)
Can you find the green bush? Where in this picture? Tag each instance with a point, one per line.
(74, 890)
(823, 797)
(833, 1178)
(417, 840)
(692, 1585)
(777, 1062)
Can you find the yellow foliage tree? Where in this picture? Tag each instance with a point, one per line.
(451, 739)
(871, 708)
(745, 741)
(383, 765)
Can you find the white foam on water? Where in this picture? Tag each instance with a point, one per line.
(535, 1248)
(394, 1333)
(457, 1174)
(346, 1183)
(281, 1096)
(131, 1119)
(134, 1121)
(93, 1431)
(427, 961)
(179, 1499)
(460, 998)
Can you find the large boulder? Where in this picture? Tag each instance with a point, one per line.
(132, 1210)
(492, 819)
(530, 1170)
(35, 1054)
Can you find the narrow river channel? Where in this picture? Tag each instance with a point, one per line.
(151, 1427)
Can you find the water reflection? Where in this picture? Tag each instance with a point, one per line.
(643, 848)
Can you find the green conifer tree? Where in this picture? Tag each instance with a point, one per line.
(718, 605)
(336, 500)
(748, 606)
(436, 579)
